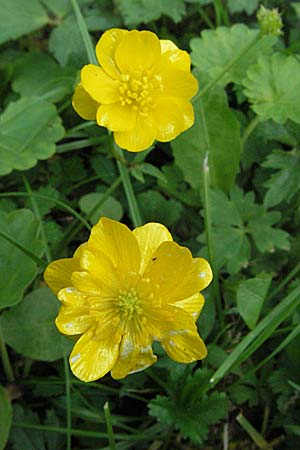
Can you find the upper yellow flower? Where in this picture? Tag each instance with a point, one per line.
(121, 291)
(142, 90)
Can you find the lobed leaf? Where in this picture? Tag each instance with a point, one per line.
(217, 132)
(216, 49)
(271, 90)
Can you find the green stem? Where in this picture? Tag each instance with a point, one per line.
(134, 210)
(39, 218)
(85, 433)
(84, 33)
(132, 203)
(68, 399)
(253, 433)
(73, 230)
(255, 338)
(248, 130)
(205, 18)
(25, 250)
(54, 200)
(285, 281)
(5, 360)
(228, 66)
(209, 239)
(109, 427)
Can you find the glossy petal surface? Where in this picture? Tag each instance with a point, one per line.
(121, 291)
(83, 104)
(141, 91)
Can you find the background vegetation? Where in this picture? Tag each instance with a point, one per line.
(228, 188)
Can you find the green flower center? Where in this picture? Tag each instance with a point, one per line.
(129, 303)
(135, 90)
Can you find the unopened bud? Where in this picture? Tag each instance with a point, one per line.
(270, 21)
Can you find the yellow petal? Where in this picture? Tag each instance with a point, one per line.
(178, 83)
(72, 321)
(118, 243)
(99, 85)
(184, 346)
(197, 277)
(171, 54)
(89, 284)
(138, 51)
(91, 357)
(140, 137)
(133, 357)
(105, 50)
(149, 238)
(83, 104)
(58, 273)
(168, 266)
(100, 266)
(116, 117)
(169, 119)
(192, 305)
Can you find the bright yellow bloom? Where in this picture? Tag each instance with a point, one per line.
(141, 91)
(121, 291)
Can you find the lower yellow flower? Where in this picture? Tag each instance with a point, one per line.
(124, 289)
(141, 91)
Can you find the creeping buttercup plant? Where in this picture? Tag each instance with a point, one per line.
(149, 151)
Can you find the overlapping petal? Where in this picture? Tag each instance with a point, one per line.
(116, 117)
(93, 357)
(138, 51)
(139, 138)
(101, 87)
(121, 291)
(83, 104)
(133, 357)
(118, 243)
(171, 54)
(106, 48)
(149, 238)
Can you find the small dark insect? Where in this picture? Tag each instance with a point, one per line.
(154, 259)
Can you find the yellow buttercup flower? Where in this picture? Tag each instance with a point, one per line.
(124, 289)
(141, 91)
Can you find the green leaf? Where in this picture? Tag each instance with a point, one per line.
(5, 417)
(74, 51)
(235, 220)
(155, 208)
(285, 182)
(110, 207)
(17, 270)
(136, 12)
(236, 6)
(216, 131)
(193, 420)
(30, 330)
(18, 18)
(37, 74)
(271, 90)
(29, 129)
(241, 393)
(44, 206)
(251, 295)
(218, 48)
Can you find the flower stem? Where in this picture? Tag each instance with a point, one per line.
(39, 218)
(133, 206)
(5, 360)
(228, 66)
(68, 400)
(209, 239)
(84, 33)
(248, 130)
(109, 427)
